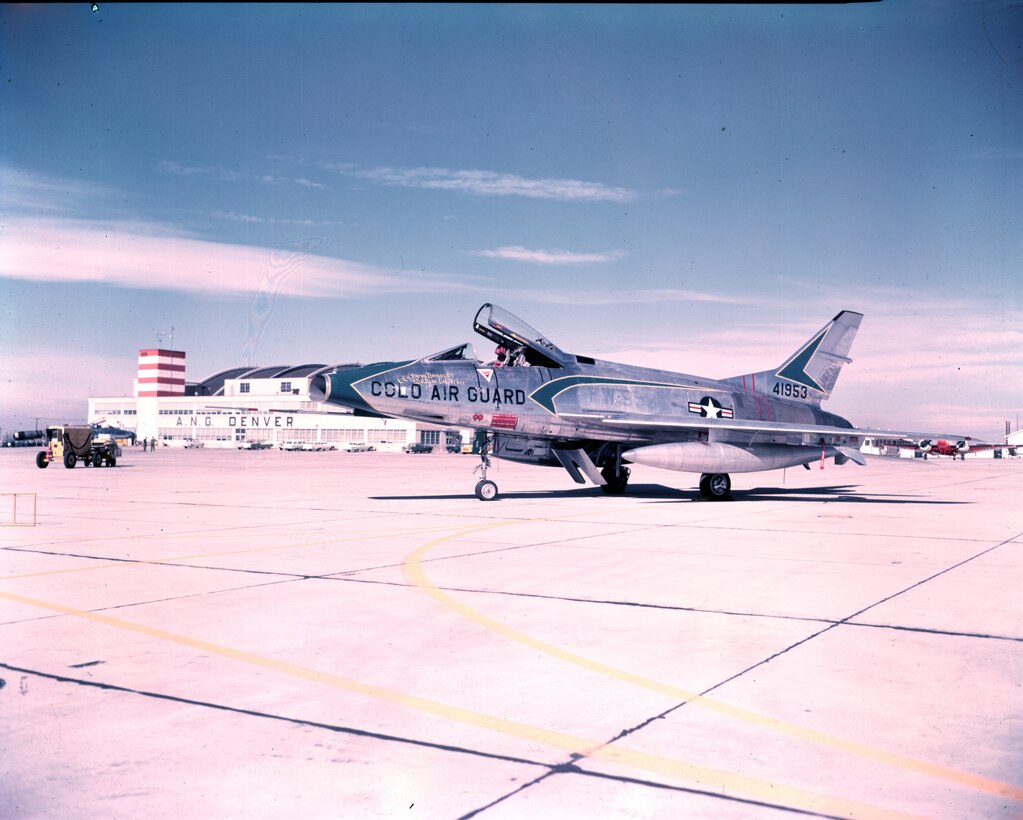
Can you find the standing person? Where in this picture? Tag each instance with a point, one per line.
(145, 443)
(152, 444)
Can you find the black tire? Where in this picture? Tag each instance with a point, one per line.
(70, 460)
(111, 461)
(715, 486)
(486, 491)
(42, 462)
(97, 460)
(616, 484)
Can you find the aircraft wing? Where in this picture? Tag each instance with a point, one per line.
(668, 423)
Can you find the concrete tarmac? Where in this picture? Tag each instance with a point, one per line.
(218, 634)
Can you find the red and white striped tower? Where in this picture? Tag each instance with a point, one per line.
(161, 373)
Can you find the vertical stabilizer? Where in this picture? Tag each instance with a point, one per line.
(810, 373)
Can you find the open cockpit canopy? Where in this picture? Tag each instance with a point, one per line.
(460, 353)
(509, 331)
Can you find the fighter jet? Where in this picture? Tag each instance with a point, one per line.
(539, 404)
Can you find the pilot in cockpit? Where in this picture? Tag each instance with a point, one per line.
(510, 358)
(518, 357)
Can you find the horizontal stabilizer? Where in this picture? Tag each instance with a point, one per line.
(844, 454)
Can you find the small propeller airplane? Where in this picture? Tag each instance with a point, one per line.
(952, 448)
(540, 404)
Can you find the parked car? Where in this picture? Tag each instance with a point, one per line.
(255, 445)
(294, 445)
(194, 444)
(417, 447)
(354, 447)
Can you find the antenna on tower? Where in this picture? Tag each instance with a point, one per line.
(161, 334)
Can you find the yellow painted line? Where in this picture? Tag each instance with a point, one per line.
(413, 570)
(130, 562)
(706, 778)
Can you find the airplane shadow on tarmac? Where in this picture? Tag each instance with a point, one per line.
(840, 493)
(658, 493)
(640, 490)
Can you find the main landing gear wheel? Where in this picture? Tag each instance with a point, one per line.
(715, 486)
(41, 462)
(617, 481)
(70, 460)
(486, 490)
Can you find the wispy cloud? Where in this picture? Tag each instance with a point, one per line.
(516, 253)
(30, 192)
(144, 255)
(638, 296)
(231, 216)
(227, 175)
(489, 183)
(41, 243)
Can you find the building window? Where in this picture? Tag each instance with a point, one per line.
(243, 387)
(285, 387)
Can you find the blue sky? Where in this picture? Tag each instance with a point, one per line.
(692, 187)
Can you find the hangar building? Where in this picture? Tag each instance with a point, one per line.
(242, 404)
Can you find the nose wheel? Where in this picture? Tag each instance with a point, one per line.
(486, 490)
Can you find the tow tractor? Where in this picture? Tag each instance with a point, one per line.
(74, 443)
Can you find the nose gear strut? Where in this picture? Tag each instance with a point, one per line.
(486, 490)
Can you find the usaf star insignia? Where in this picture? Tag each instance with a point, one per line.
(710, 408)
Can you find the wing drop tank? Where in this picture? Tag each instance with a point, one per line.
(719, 457)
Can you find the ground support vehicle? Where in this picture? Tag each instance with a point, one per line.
(71, 444)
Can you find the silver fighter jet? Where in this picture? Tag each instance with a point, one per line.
(537, 403)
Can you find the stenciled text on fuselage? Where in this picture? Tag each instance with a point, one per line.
(446, 392)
